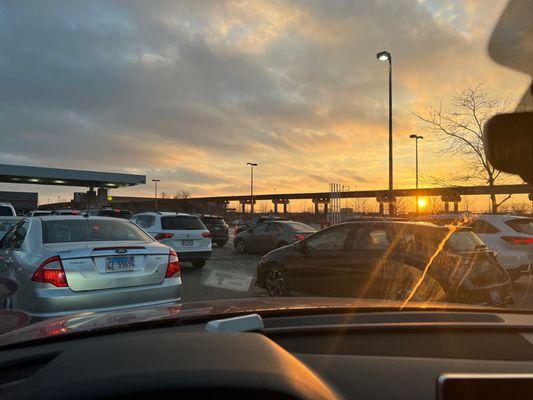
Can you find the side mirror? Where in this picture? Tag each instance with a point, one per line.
(508, 142)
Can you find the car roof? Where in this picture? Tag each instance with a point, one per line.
(74, 217)
(11, 218)
(413, 224)
(165, 214)
(501, 217)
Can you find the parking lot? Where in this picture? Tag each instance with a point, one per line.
(231, 275)
(226, 275)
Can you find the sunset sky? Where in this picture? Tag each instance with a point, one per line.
(188, 92)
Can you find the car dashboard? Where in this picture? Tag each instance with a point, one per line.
(377, 355)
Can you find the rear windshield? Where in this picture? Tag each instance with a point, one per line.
(6, 211)
(214, 221)
(65, 231)
(521, 225)
(125, 214)
(181, 223)
(299, 227)
(464, 241)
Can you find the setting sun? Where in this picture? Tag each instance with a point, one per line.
(422, 202)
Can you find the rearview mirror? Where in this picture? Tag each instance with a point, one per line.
(508, 142)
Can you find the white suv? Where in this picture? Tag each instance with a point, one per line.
(511, 237)
(185, 233)
(7, 210)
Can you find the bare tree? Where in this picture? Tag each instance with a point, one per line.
(182, 194)
(459, 126)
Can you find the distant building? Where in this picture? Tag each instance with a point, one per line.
(23, 202)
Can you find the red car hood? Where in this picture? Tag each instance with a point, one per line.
(19, 329)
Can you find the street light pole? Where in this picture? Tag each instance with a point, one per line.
(252, 165)
(417, 138)
(386, 56)
(155, 191)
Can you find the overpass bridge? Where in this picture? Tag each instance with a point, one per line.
(449, 195)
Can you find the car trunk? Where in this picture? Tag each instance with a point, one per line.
(109, 265)
(186, 240)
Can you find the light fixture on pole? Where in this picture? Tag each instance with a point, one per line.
(417, 138)
(155, 191)
(386, 56)
(252, 165)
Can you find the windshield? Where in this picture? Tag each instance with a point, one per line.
(263, 151)
(68, 231)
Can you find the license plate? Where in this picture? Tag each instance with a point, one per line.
(186, 242)
(119, 264)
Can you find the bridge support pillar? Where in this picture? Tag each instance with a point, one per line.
(385, 198)
(454, 198)
(320, 200)
(280, 200)
(246, 201)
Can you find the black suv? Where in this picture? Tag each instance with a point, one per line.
(218, 228)
(389, 260)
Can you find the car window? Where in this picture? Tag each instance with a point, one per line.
(481, 226)
(273, 227)
(331, 239)
(261, 228)
(370, 239)
(5, 211)
(90, 230)
(521, 225)
(17, 236)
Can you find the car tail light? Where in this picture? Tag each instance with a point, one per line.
(173, 266)
(518, 239)
(51, 271)
(206, 234)
(161, 236)
(299, 236)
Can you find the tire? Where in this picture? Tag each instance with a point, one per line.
(197, 264)
(221, 243)
(240, 246)
(276, 282)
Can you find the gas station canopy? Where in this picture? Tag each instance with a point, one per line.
(67, 177)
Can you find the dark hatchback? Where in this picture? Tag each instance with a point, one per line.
(389, 260)
(218, 228)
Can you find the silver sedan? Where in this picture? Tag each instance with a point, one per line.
(65, 265)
